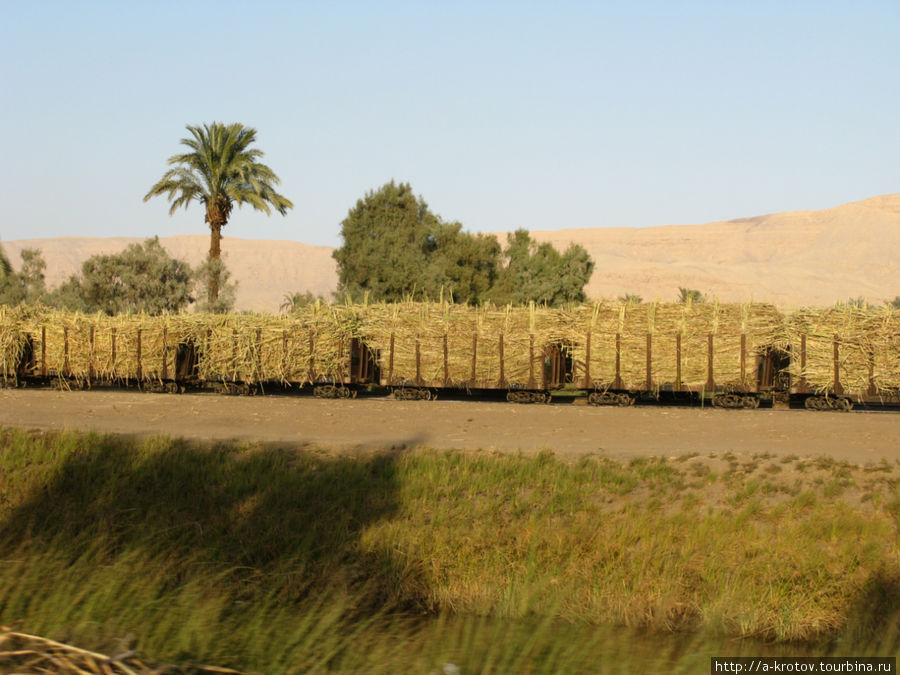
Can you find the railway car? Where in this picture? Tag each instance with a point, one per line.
(842, 356)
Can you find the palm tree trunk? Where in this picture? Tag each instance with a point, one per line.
(215, 252)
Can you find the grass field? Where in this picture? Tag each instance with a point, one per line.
(275, 559)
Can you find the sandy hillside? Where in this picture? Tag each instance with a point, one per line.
(791, 258)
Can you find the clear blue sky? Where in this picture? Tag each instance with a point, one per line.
(501, 114)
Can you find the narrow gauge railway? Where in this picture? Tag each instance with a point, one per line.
(708, 358)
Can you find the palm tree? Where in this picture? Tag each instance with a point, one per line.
(220, 171)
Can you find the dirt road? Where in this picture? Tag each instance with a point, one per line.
(568, 430)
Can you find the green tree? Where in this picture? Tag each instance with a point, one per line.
(632, 298)
(386, 241)
(461, 264)
(11, 291)
(690, 295)
(32, 274)
(26, 285)
(395, 247)
(895, 302)
(142, 278)
(214, 268)
(220, 170)
(69, 295)
(539, 273)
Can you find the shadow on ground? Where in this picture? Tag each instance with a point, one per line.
(249, 512)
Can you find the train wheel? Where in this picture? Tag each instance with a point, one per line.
(625, 400)
(750, 402)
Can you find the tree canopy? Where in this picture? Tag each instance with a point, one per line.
(26, 285)
(539, 273)
(387, 240)
(220, 170)
(142, 278)
(394, 247)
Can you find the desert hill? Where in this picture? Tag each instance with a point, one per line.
(791, 258)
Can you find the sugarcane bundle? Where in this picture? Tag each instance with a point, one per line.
(410, 338)
(84, 347)
(13, 341)
(885, 350)
(139, 346)
(518, 328)
(245, 348)
(529, 334)
(749, 329)
(455, 345)
(867, 343)
(629, 325)
(63, 340)
(332, 329)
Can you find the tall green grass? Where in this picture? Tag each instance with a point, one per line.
(277, 559)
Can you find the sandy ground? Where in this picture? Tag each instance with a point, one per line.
(568, 430)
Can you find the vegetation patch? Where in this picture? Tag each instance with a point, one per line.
(276, 559)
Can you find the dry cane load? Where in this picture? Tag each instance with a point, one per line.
(78, 347)
(12, 343)
(677, 338)
(864, 340)
(443, 344)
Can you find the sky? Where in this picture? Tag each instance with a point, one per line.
(500, 114)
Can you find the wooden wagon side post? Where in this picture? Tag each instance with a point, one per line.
(677, 361)
(390, 377)
(165, 353)
(531, 382)
(838, 387)
(65, 371)
(446, 363)
(802, 386)
(744, 361)
(43, 351)
(649, 384)
(257, 355)
(588, 383)
(140, 367)
(284, 354)
(871, 390)
(473, 379)
(617, 382)
(92, 346)
(112, 353)
(502, 381)
(710, 380)
(311, 373)
(235, 372)
(418, 379)
(206, 348)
